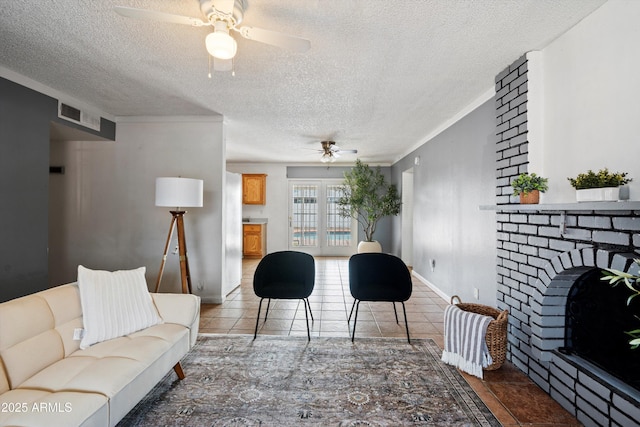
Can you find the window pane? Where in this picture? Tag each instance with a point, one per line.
(305, 215)
(338, 232)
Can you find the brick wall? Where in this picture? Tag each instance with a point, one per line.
(538, 261)
(541, 252)
(594, 400)
(511, 127)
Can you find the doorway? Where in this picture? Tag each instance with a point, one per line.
(315, 223)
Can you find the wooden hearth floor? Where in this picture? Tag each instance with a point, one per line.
(513, 398)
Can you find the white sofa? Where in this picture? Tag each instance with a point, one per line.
(47, 380)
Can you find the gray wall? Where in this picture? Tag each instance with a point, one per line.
(25, 120)
(455, 176)
(105, 207)
(24, 174)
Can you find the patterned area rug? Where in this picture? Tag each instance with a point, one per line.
(232, 380)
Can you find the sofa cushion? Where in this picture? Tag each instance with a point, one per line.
(114, 304)
(182, 309)
(137, 388)
(64, 303)
(28, 340)
(37, 408)
(32, 355)
(109, 366)
(4, 381)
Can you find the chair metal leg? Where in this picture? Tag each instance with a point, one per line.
(255, 334)
(267, 313)
(352, 307)
(307, 318)
(306, 300)
(355, 320)
(406, 324)
(396, 311)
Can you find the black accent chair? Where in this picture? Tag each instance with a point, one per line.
(285, 275)
(379, 277)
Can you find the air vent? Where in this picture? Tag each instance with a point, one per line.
(72, 114)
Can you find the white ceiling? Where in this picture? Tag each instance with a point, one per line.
(381, 75)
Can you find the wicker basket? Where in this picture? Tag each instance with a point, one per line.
(496, 332)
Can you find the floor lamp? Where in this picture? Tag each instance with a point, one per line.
(179, 193)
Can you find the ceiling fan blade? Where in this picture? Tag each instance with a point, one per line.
(337, 149)
(285, 41)
(152, 15)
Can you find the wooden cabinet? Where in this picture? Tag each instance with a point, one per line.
(254, 189)
(254, 240)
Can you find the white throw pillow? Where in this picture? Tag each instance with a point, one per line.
(114, 304)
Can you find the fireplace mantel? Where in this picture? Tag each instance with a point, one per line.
(623, 205)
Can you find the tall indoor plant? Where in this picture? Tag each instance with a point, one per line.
(367, 197)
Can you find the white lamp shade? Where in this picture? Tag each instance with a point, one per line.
(179, 192)
(221, 45)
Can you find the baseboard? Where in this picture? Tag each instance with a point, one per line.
(431, 286)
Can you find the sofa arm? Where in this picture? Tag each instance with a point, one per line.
(183, 309)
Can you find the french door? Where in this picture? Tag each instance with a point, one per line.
(315, 223)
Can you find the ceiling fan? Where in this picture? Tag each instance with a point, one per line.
(330, 151)
(223, 16)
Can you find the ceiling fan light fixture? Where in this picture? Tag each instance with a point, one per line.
(219, 43)
(327, 158)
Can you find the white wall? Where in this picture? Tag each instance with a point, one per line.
(233, 232)
(406, 216)
(591, 100)
(103, 208)
(276, 209)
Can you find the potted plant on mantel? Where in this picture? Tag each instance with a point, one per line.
(367, 197)
(529, 187)
(600, 186)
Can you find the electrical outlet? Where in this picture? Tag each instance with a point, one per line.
(200, 285)
(476, 293)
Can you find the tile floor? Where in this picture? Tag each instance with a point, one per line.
(512, 397)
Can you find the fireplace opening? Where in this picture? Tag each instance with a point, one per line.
(597, 316)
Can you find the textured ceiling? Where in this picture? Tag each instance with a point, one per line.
(380, 76)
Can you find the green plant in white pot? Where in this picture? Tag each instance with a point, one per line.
(598, 186)
(529, 187)
(367, 197)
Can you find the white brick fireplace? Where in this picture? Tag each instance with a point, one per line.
(542, 250)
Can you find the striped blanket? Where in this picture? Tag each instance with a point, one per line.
(464, 340)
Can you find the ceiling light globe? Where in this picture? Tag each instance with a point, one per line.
(221, 45)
